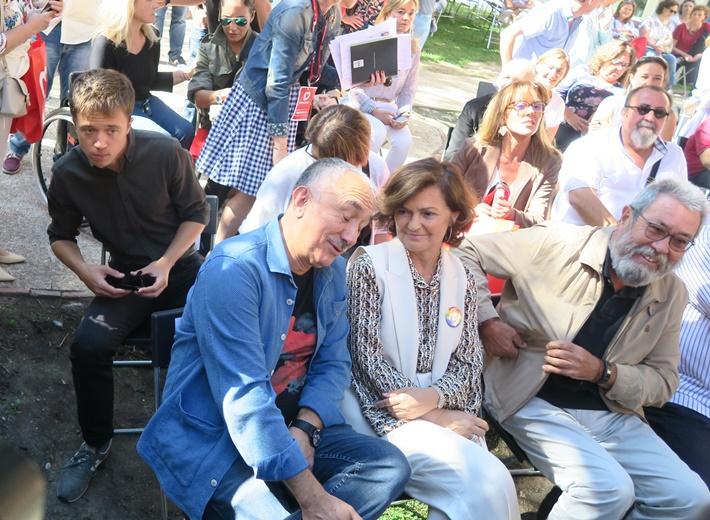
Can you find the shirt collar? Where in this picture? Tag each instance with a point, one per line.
(658, 145)
(276, 256)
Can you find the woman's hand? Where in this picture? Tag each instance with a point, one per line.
(322, 101)
(483, 211)
(578, 123)
(465, 424)
(181, 75)
(40, 21)
(376, 78)
(280, 148)
(383, 115)
(407, 404)
(354, 20)
(500, 208)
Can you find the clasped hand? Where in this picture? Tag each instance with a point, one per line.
(407, 404)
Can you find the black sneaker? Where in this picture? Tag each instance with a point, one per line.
(178, 61)
(75, 475)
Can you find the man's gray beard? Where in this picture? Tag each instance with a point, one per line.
(631, 272)
(643, 138)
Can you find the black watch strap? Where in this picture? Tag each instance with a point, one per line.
(312, 432)
(606, 374)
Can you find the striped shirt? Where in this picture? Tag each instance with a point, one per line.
(694, 388)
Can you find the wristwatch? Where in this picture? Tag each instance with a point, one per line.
(606, 374)
(312, 432)
(219, 100)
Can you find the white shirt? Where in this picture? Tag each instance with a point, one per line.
(599, 161)
(80, 21)
(275, 192)
(554, 111)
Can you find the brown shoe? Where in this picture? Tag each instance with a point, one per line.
(6, 257)
(5, 276)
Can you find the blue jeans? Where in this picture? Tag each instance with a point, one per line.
(196, 36)
(421, 28)
(177, 29)
(365, 472)
(68, 58)
(165, 117)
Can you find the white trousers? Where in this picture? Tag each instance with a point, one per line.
(456, 477)
(608, 465)
(5, 124)
(400, 140)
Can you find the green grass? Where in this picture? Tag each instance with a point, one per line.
(461, 41)
(409, 510)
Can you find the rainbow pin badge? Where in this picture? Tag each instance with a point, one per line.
(454, 317)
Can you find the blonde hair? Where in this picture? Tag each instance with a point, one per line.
(555, 55)
(540, 150)
(390, 7)
(118, 15)
(608, 52)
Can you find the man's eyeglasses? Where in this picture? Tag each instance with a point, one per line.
(656, 232)
(658, 113)
(241, 21)
(522, 106)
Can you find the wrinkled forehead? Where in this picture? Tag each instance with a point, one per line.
(651, 98)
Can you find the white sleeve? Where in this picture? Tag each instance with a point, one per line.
(580, 168)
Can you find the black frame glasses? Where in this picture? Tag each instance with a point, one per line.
(658, 113)
(241, 21)
(657, 233)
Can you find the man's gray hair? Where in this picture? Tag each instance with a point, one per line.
(685, 192)
(328, 171)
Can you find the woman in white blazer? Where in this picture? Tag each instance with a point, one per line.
(417, 357)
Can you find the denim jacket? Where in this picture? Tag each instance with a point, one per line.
(282, 52)
(219, 404)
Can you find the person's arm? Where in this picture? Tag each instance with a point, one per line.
(587, 204)
(538, 207)
(92, 275)
(603, 116)
(466, 124)
(35, 23)
(507, 41)
(102, 54)
(201, 89)
(406, 95)
(263, 10)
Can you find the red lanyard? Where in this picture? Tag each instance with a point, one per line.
(316, 65)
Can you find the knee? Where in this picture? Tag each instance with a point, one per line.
(613, 492)
(402, 138)
(689, 496)
(496, 484)
(93, 341)
(378, 134)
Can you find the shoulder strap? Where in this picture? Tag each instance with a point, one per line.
(654, 171)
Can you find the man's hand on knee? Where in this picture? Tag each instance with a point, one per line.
(160, 269)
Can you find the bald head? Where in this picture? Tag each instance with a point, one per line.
(515, 70)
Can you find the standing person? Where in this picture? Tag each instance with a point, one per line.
(512, 146)
(598, 312)
(176, 31)
(255, 129)
(551, 25)
(659, 34)
(139, 193)
(130, 44)
(593, 32)
(648, 71)
(251, 406)
(684, 421)
(19, 24)
(68, 48)
(417, 359)
(603, 171)
(383, 103)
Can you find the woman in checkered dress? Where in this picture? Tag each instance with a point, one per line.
(254, 130)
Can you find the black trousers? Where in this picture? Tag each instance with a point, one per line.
(103, 328)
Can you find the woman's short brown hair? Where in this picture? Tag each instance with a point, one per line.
(610, 51)
(412, 178)
(340, 131)
(698, 9)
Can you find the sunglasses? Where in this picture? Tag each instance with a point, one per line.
(674, 11)
(241, 21)
(522, 106)
(658, 113)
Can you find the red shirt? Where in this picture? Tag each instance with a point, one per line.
(686, 39)
(697, 144)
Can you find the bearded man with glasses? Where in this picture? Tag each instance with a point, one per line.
(603, 171)
(585, 335)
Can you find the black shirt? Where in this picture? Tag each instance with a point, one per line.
(141, 68)
(595, 336)
(291, 370)
(135, 213)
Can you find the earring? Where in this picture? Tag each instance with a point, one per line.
(503, 130)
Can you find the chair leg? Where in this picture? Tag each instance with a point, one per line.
(163, 505)
(157, 395)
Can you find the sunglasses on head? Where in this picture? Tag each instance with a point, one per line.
(241, 21)
(658, 113)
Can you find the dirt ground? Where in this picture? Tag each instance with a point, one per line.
(38, 415)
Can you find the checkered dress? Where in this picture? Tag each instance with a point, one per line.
(238, 150)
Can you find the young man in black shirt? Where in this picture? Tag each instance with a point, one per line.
(142, 200)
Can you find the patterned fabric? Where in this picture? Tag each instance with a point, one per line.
(368, 10)
(238, 150)
(15, 14)
(584, 100)
(373, 375)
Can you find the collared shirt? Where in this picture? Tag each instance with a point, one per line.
(546, 27)
(599, 161)
(219, 402)
(595, 335)
(134, 213)
(694, 389)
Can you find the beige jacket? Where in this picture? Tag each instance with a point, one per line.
(532, 192)
(555, 279)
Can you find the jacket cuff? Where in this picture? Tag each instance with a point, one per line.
(277, 129)
(327, 409)
(282, 466)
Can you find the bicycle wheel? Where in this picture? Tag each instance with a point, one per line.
(58, 136)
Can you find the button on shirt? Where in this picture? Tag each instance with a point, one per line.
(600, 162)
(546, 27)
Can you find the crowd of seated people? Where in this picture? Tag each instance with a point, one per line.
(338, 345)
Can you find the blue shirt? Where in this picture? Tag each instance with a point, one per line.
(218, 400)
(547, 27)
